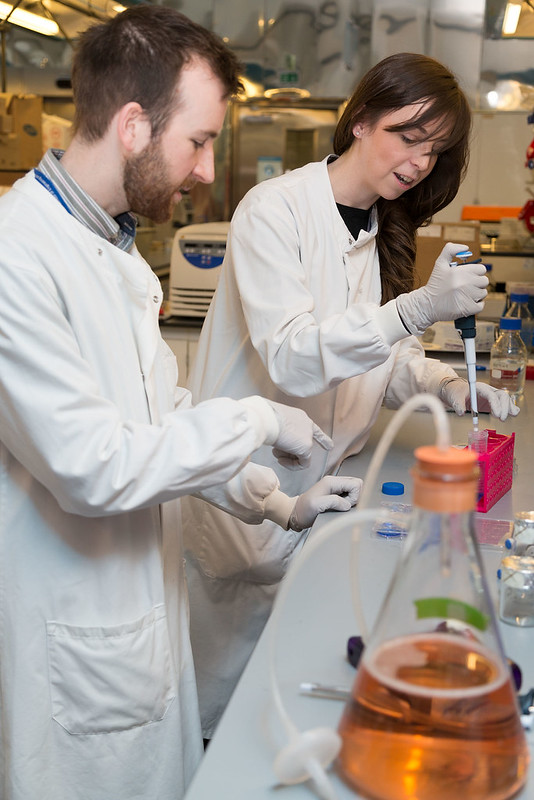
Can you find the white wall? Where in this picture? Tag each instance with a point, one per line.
(496, 174)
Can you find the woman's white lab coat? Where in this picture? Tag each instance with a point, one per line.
(294, 318)
(97, 687)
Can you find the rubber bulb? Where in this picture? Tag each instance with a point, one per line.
(319, 744)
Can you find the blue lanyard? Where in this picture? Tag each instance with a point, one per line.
(47, 183)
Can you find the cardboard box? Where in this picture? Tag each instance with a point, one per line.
(7, 179)
(21, 146)
(56, 131)
(432, 239)
(443, 337)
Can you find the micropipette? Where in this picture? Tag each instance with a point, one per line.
(467, 329)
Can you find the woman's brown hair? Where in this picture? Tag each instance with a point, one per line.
(398, 81)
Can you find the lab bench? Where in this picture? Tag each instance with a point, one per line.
(318, 618)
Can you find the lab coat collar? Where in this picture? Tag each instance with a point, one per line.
(345, 238)
(142, 284)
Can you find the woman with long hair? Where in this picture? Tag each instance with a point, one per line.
(316, 307)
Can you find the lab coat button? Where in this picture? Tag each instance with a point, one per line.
(155, 298)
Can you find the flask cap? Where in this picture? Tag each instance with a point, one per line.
(519, 297)
(510, 324)
(392, 488)
(445, 481)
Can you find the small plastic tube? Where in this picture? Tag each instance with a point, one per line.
(478, 441)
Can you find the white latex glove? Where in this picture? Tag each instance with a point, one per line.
(451, 293)
(455, 393)
(298, 432)
(289, 431)
(331, 493)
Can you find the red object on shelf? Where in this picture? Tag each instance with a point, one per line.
(496, 469)
(527, 215)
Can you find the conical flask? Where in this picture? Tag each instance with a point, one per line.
(433, 713)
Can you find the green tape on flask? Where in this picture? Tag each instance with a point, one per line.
(447, 608)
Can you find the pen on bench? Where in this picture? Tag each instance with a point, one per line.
(324, 690)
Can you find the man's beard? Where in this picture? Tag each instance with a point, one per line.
(147, 189)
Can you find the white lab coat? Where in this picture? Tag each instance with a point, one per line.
(293, 319)
(97, 687)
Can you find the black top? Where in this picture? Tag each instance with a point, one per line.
(356, 219)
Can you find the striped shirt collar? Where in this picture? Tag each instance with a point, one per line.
(120, 230)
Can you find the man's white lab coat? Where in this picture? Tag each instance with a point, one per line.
(97, 688)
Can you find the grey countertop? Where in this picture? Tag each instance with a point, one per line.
(318, 613)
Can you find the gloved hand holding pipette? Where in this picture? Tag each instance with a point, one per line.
(463, 395)
(448, 294)
(454, 392)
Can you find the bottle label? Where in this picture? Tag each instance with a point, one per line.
(506, 374)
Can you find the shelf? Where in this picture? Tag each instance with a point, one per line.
(486, 249)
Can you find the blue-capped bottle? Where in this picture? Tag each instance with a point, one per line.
(397, 518)
(519, 309)
(508, 358)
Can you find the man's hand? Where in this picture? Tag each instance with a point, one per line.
(331, 493)
(297, 434)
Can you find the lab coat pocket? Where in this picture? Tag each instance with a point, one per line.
(106, 679)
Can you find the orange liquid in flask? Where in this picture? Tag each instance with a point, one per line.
(433, 717)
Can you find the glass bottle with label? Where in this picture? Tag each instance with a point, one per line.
(433, 700)
(508, 358)
(519, 309)
(516, 574)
